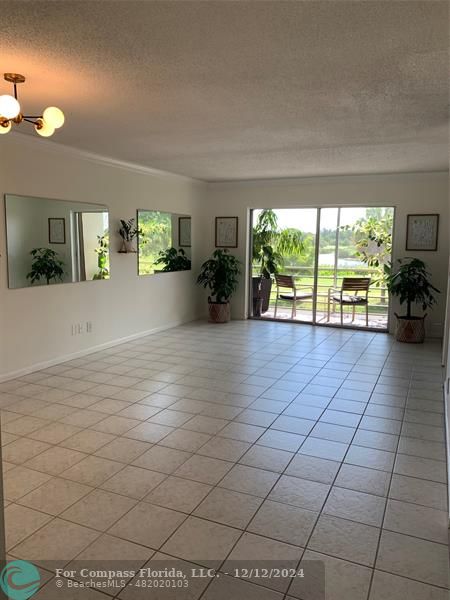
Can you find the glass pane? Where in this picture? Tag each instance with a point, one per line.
(365, 245)
(94, 238)
(283, 244)
(164, 242)
(55, 241)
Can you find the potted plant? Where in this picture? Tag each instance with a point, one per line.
(220, 275)
(129, 231)
(102, 258)
(46, 265)
(270, 243)
(173, 260)
(412, 286)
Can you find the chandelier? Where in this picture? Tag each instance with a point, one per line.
(10, 112)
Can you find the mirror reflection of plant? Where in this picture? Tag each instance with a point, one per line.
(156, 237)
(271, 244)
(45, 265)
(156, 225)
(102, 252)
(173, 260)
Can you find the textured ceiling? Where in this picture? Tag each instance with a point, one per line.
(240, 90)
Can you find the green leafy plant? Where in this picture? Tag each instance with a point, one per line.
(173, 260)
(372, 238)
(129, 230)
(45, 265)
(270, 243)
(156, 236)
(410, 282)
(102, 252)
(220, 274)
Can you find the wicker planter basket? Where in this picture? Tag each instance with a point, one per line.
(410, 330)
(219, 312)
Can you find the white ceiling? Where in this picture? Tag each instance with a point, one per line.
(239, 89)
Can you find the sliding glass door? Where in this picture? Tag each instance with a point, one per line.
(283, 265)
(322, 265)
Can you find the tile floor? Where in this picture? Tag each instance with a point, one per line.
(220, 445)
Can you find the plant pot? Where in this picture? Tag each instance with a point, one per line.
(256, 297)
(219, 312)
(410, 330)
(127, 246)
(261, 288)
(266, 288)
(257, 307)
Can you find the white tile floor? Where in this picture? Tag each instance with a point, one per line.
(232, 444)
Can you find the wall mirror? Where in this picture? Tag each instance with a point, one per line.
(165, 243)
(54, 241)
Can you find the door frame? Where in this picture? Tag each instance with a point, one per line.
(316, 270)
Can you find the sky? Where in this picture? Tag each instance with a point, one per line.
(305, 218)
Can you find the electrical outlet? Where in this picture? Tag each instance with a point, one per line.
(80, 328)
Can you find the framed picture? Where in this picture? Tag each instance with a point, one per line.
(226, 232)
(184, 232)
(57, 231)
(422, 232)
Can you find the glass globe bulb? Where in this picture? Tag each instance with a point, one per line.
(5, 126)
(43, 128)
(54, 117)
(9, 107)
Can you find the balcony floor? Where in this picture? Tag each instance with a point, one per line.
(376, 321)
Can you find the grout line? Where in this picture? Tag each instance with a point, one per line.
(313, 346)
(384, 514)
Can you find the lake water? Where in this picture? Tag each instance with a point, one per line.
(327, 260)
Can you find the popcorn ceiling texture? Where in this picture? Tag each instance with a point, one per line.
(240, 90)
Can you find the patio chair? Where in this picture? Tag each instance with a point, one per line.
(354, 285)
(294, 296)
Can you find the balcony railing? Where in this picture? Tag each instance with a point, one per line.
(329, 277)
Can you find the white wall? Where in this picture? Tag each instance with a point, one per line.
(35, 323)
(409, 193)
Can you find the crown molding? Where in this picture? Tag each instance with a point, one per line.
(107, 161)
(313, 179)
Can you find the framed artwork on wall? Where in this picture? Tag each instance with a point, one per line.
(422, 232)
(226, 232)
(184, 232)
(57, 231)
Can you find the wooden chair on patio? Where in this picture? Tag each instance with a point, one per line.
(351, 285)
(287, 282)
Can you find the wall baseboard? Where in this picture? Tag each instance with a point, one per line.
(66, 357)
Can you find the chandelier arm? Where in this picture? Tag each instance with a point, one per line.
(45, 128)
